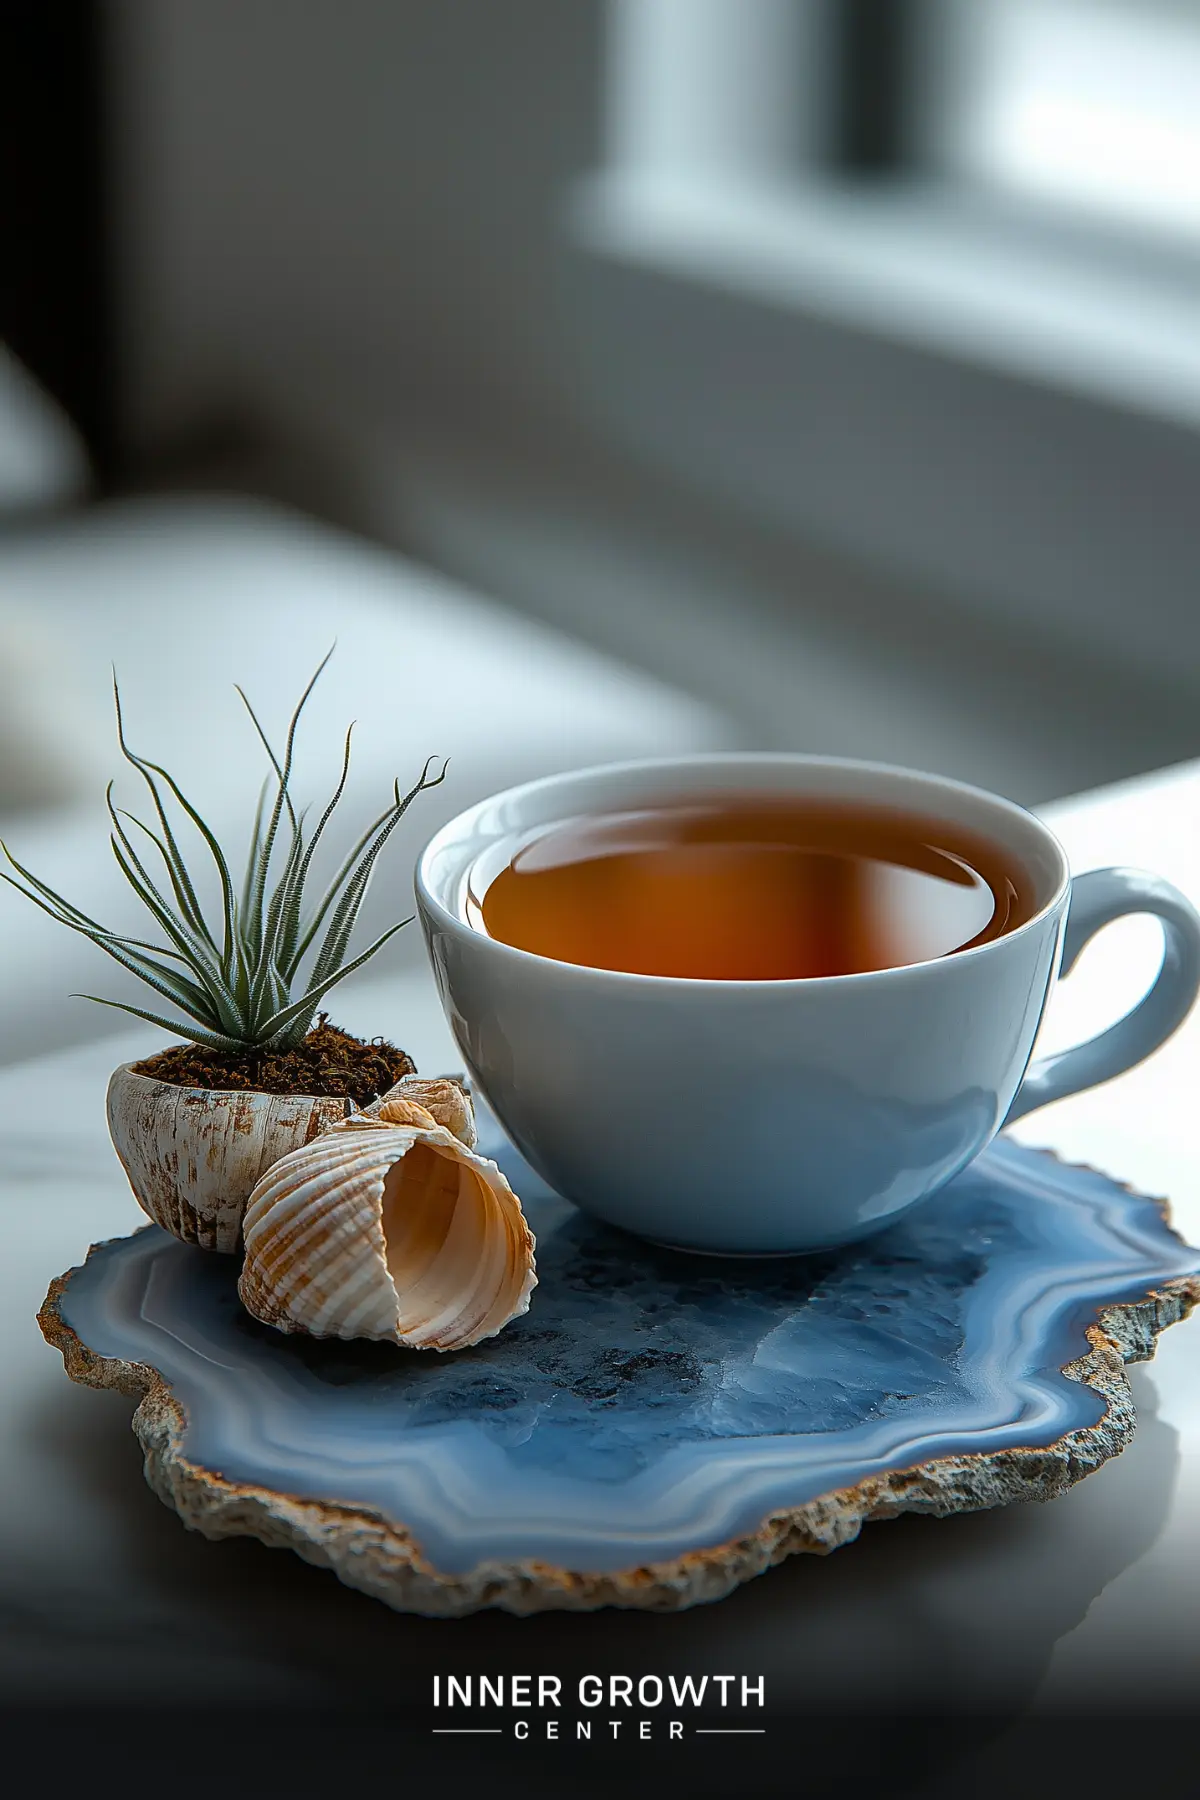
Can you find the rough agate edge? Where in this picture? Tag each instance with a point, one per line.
(661, 1427)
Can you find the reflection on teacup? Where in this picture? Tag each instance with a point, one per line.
(740, 888)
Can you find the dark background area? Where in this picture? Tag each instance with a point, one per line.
(57, 294)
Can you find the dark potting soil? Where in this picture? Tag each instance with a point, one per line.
(329, 1061)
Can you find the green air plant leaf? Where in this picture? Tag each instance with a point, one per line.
(240, 985)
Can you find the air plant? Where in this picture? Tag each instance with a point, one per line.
(240, 982)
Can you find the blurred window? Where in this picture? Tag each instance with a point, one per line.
(1091, 104)
(712, 92)
(917, 278)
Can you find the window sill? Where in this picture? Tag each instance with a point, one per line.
(924, 266)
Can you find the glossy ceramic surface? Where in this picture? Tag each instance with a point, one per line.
(652, 1404)
(770, 1117)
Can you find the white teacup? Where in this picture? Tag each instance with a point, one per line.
(760, 1117)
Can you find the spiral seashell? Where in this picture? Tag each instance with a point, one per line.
(389, 1227)
(444, 1096)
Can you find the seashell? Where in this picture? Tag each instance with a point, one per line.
(389, 1227)
(444, 1096)
(193, 1155)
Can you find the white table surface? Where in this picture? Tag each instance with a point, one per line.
(1092, 1600)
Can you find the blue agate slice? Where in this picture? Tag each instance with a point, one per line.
(654, 1404)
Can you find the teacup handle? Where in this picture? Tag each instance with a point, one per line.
(1098, 898)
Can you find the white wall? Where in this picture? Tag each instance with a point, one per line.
(324, 199)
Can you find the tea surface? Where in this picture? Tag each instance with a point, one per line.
(754, 890)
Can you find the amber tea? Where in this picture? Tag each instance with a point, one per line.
(754, 889)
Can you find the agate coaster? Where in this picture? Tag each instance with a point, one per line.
(659, 1427)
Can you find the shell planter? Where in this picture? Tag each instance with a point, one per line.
(193, 1155)
(658, 1427)
(196, 1126)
